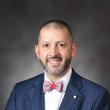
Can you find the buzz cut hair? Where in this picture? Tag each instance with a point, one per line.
(56, 23)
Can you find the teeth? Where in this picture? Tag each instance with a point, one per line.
(56, 62)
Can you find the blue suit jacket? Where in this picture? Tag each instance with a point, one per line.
(28, 95)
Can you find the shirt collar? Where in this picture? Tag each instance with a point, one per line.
(65, 78)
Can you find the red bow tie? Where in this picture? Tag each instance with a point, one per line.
(47, 86)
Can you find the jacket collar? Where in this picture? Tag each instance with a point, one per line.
(73, 96)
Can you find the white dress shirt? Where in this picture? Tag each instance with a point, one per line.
(54, 98)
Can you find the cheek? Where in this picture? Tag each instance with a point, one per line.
(42, 56)
(66, 54)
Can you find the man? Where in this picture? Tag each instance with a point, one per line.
(59, 87)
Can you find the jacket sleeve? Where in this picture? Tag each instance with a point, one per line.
(11, 104)
(103, 102)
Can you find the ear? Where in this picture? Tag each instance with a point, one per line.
(74, 49)
(37, 50)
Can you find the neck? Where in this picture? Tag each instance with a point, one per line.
(55, 77)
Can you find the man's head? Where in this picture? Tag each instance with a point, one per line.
(55, 47)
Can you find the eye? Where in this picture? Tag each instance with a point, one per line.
(62, 45)
(45, 45)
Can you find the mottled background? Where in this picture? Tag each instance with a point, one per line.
(19, 21)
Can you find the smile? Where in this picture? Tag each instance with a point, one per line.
(54, 62)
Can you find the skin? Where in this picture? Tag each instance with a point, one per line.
(55, 50)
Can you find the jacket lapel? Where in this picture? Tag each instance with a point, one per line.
(73, 96)
(37, 94)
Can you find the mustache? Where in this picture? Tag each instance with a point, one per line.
(56, 57)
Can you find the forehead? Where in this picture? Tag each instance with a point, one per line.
(54, 34)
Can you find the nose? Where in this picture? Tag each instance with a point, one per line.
(53, 51)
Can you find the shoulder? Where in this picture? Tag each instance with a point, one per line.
(89, 86)
(94, 94)
(29, 83)
(92, 89)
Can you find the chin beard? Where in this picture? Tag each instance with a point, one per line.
(57, 71)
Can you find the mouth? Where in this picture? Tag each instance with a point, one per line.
(54, 62)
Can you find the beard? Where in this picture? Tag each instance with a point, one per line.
(58, 70)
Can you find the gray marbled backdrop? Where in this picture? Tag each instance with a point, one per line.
(19, 21)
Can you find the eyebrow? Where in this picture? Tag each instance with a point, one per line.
(51, 42)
